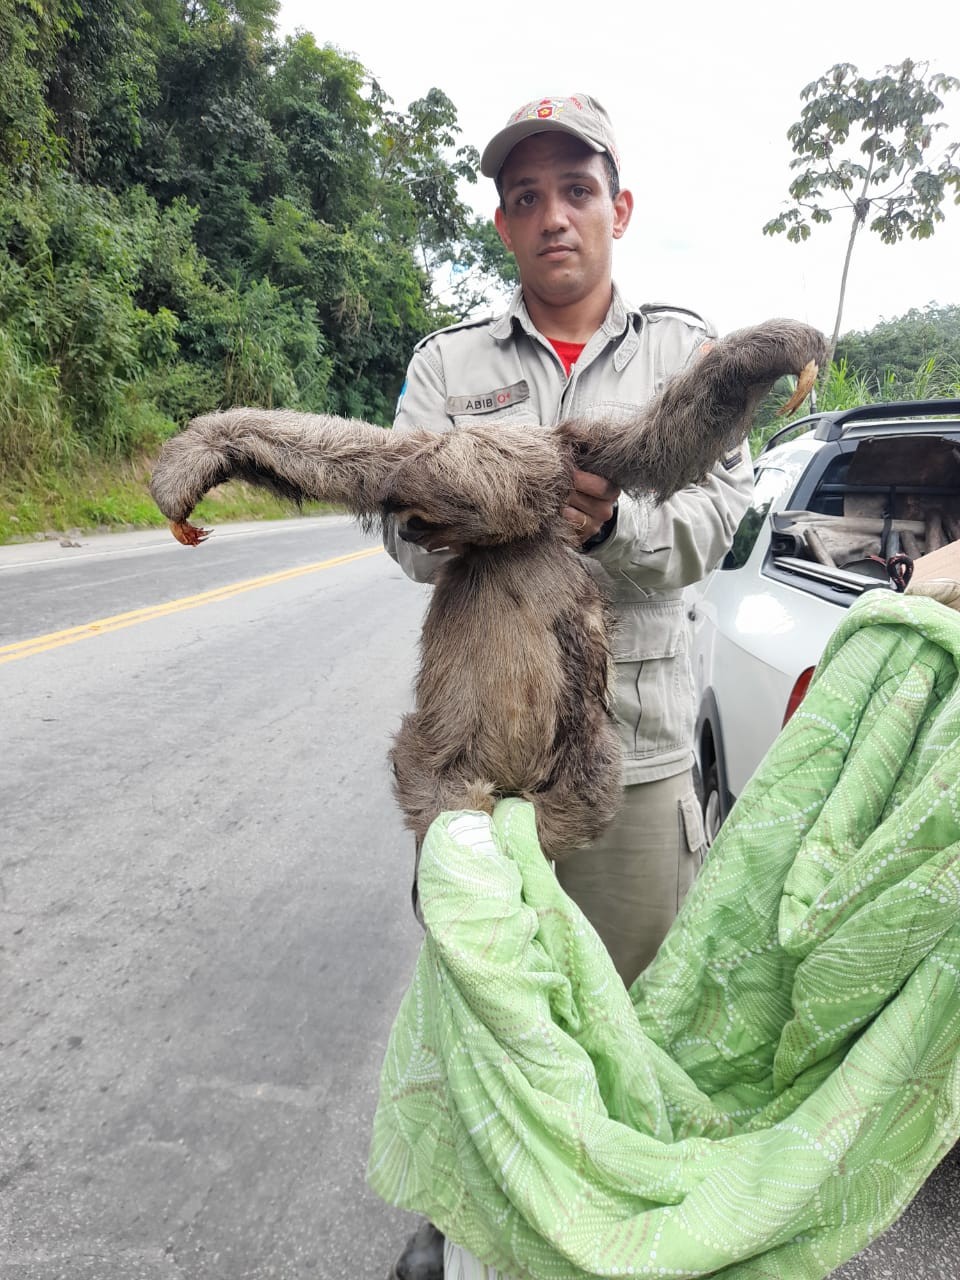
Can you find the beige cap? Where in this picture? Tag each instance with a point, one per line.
(579, 115)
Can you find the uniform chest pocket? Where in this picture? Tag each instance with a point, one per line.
(617, 412)
(515, 415)
(652, 687)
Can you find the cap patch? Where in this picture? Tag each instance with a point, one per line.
(581, 116)
(545, 109)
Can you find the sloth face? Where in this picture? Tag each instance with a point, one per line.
(484, 486)
(413, 526)
(434, 521)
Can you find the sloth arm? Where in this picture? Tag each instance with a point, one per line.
(679, 541)
(423, 405)
(697, 416)
(297, 455)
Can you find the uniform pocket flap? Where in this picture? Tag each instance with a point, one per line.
(691, 819)
(650, 629)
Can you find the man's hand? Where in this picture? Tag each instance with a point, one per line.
(590, 505)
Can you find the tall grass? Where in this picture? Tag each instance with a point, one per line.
(845, 388)
(97, 493)
(33, 434)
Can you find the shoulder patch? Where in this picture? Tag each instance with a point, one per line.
(486, 321)
(655, 311)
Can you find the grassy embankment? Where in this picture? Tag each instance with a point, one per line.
(56, 478)
(100, 496)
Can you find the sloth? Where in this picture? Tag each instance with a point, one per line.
(511, 697)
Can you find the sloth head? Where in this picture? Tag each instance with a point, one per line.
(484, 486)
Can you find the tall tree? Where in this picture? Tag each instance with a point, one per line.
(316, 102)
(888, 172)
(461, 254)
(31, 36)
(414, 164)
(102, 76)
(193, 211)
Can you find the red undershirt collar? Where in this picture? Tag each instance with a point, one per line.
(567, 351)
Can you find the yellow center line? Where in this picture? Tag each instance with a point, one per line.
(55, 639)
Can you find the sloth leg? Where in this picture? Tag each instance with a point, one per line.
(425, 785)
(583, 795)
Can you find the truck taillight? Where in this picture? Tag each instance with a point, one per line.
(796, 693)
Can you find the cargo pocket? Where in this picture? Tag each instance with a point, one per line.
(693, 843)
(652, 698)
(691, 822)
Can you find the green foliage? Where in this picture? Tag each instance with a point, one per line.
(31, 428)
(890, 119)
(195, 213)
(272, 350)
(845, 387)
(481, 271)
(31, 35)
(314, 101)
(99, 84)
(900, 347)
(68, 284)
(411, 146)
(868, 144)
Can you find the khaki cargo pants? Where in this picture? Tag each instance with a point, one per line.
(631, 882)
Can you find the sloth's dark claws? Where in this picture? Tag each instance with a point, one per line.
(190, 535)
(805, 381)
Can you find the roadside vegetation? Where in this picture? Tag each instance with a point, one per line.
(195, 213)
(912, 357)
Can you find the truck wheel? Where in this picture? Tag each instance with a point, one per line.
(710, 801)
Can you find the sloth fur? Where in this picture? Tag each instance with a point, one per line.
(511, 695)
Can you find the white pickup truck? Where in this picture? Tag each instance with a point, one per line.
(844, 501)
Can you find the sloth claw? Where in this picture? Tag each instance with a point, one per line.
(190, 535)
(805, 381)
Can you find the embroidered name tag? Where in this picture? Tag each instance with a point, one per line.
(489, 401)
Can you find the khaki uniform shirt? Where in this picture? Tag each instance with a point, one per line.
(504, 370)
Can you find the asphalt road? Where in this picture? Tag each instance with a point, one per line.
(204, 914)
(205, 894)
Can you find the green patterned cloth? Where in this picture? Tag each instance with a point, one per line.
(778, 1084)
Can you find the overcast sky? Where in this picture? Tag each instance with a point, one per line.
(701, 97)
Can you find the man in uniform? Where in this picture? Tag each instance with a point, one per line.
(571, 346)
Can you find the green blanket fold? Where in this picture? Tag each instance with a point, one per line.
(776, 1087)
